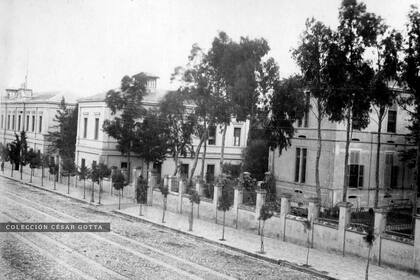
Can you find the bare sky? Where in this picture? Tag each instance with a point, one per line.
(87, 46)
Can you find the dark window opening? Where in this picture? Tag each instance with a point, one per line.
(210, 173)
(236, 136)
(392, 121)
(184, 170)
(85, 122)
(300, 165)
(96, 128)
(212, 135)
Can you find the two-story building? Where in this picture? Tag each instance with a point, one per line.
(294, 169)
(94, 145)
(24, 110)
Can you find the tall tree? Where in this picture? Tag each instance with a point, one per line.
(127, 109)
(411, 77)
(349, 74)
(387, 48)
(180, 125)
(63, 136)
(310, 56)
(151, 139)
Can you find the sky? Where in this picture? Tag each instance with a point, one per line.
(85, 47)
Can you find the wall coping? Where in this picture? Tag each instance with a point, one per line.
(262, 191)
(381, 210)
(285, 195)
(345, 204)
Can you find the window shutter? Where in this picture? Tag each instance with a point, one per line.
(297, 164)
(348, 175)
(394, 176)
(361, 173)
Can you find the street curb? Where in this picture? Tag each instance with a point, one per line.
(202, 238)
(51, 191)
(251, 254)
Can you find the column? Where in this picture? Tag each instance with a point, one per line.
(216, 194)
(417, 245)
(238, 196)
(180, 191)
(343, 221)
(378, 229)
(313, 209)
(261, 194)
(284, 210)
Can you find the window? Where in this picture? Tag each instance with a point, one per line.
(124, 165)
(33, 123)
(85, 122)
(8, 121)
(304, 121)
(391, 172)
(237, 136)
(96, 128)
(356, 171)
(210, 173)
(2, 120)
(19, 120)
(392, 121)
(212, 135)
(40, 124)
(93, 163)
(300, 165)
(13, 122)
(83, 163)
(27, 123)
(184, 170)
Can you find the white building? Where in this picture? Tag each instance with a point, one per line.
(294, 169)
(23, 110)
(93, 144)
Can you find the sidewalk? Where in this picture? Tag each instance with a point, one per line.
(321, 262)
(325, 263)
(108, 202)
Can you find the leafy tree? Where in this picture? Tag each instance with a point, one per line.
(310, 56)
(63, 136)
(14, 154)
(265, 213)
(151, 139)
(285, 107)
(388, 45)
(83, 175)
(119, 182)
(127, 109)
(225, 202)
(180, 124)
(4, 154)
(255, 158)
(44, 163)
(34, 161)
(307, 226)
(165, 191)
(68, 169)
(53, 170)
(348, 73)
(103, 172)
(369, 238)
(94, 177)
(411, 77)
(194, 198)
(141, 193)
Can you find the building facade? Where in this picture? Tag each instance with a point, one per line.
(94, 145)
(23, 110)
(294, 168)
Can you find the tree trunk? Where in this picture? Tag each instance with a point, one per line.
(318, 155)
(416, 186)
(346, 157)
(262, 238)
(21, 171)
(176, 164)
(164, 209)
(191, 216)
(197, 152)
(119, 199)
(100, 190)
(309, 246)
(55, 182)
(140, 209)
(30, 178)
(129, 166)
(203, 158)
(367, 265)
(378, 155)
(84, 188)
(92, 199)
(42, 176)
(222, 149)
(223, 227)
(68, 183)
(11, 171)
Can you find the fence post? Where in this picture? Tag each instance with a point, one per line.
(378, 229)
(199, 186)
(343, 221)
(170, 182)
(284, 210)
(216, 194)
(238, 196)
(180, 191)
(417, 245)
(313, 209)
(150, 186)
(259, 201)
